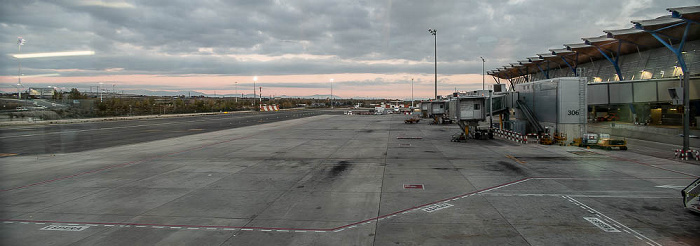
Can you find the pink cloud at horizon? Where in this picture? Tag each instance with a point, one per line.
(345, 85)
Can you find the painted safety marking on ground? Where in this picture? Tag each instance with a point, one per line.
(651, 165)
(515, 159)
(601, 224)
(64, 228)
(615, 224)
(80, 227)
(7, 154)
(281, 230)
(436, 207)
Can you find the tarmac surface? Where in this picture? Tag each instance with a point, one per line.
(87, 134)
(343, 180)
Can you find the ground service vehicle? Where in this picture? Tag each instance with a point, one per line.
(691, 196)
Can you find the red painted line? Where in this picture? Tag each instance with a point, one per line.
(654, 166)
(575, 178)
(163, 225)
(270, 228)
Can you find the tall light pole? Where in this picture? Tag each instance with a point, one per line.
(99, 89)
(483, 77)
(236, 96)
(20, 42)
(411, 93)
(434, 33)
(255, 79)
(331, 93)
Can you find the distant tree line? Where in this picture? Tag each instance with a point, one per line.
(124, 105)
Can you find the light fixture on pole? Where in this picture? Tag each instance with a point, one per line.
(434, 33)
(483, 78)
(331, 93)
(411, 93)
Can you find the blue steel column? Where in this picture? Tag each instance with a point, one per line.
(569, 65)
(614, 62)
(686, 82)
(545, 72)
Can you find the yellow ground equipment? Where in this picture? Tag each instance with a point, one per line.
(606, 142)
(603, 141)
(411, 121)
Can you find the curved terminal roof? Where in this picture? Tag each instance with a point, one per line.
(615, 42)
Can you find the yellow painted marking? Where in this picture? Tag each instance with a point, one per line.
(7, 154)
(515, 159)
(196, 129)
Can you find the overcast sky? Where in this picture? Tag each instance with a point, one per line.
(369, 48)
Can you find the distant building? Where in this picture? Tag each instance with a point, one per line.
(41, 92)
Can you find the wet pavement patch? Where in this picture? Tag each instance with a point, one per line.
(511, 167)
(583, 153)
(339, 168)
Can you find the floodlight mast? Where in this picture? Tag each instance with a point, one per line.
(255, 79)
(20, 42)
(434, 33)
(483, 76)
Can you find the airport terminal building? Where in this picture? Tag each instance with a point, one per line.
(629, 71)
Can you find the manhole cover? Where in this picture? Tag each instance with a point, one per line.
(414, 186)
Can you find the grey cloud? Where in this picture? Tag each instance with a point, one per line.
(349, 30)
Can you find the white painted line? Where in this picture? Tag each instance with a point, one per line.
(246, 229)
(91, 225)
(635, 233)
(229, 229)
(265, 230)
(158, 227)
(39, 223)
(283, 230)
(108, 225)
(299, 231)
(24, 223)
(436, 207)
(175, 227)
(8, 222)
(63, 228)
(193, 228)
(211, 228)
(319, 231)
(140, 226)
(601, 224)
(68, 224)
